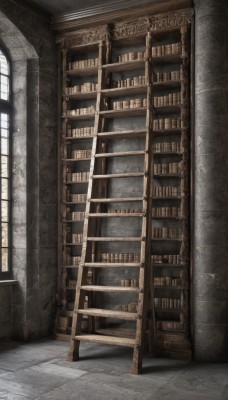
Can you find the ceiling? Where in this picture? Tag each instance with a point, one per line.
(70, 6)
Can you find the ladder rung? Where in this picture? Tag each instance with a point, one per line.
(123, 175)
(66, 160)
(114, 239)
(119, 341)
(121, 154)
(119, 289)
(118, 200)
(123, 133)
(116, 92)
(112, 265)
(97, 312)
(168, 175)
(115, 215)
(129, 112)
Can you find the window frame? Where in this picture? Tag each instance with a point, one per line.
(6, 107)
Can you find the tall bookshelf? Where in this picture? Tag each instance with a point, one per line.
(105, 90)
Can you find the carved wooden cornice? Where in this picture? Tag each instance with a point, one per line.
(120, 30)
(84, 37)
(171, 20)
(131, 28)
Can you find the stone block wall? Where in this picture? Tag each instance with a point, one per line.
(210, 230)
(5, 311)
(27, 37)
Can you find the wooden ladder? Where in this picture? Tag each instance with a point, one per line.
(91, 234)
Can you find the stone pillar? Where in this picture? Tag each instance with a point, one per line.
(210, 233)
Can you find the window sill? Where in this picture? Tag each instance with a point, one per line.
(8, 282)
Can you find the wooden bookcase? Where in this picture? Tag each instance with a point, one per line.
(114, 87)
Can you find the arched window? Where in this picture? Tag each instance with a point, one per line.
(5, 108)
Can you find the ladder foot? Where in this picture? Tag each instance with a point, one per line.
(137, 361)
(136, 370)
(72, 356)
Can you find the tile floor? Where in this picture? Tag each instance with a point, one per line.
(38, 370)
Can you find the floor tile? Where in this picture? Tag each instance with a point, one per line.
(39, 370)
(84, 390)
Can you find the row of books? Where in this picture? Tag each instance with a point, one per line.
(167, 281)
(133, 103)
(166, 123)
(166, 302)
(167, 76)
(129, 282)
(86, 87)
(76, 238)
(157, 51)
(128, 82)
(131, 56)
(78, 132)
(124, 83)
(82, 111)
(166, 259)
(124, 210)
(167, 168)
(75, 198)
(170, 99)
(166, 49)
(166, 147)
(119, 257)
(167, 233)
(157, 147)
(158, 191)
(128, 257)
(158, 233)
(76, 154)
(81, 64)
(166, 212)
(75, 216)
(77, 176)
(166, 191)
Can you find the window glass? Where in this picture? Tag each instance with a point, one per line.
(4, 164)
(4, 77)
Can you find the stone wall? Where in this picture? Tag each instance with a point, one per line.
(5, 311)
(31, 46)
(210, 234)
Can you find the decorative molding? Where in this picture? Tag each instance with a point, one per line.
(127, 29)
(131, 28)
(84, 37)
(171, 20)
(156, 23)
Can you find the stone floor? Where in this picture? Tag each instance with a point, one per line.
(38, 370)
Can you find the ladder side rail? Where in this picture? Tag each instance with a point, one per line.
(185, 184)
(144, 271)
(151, 308)
(73, 354)
(62, 191)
